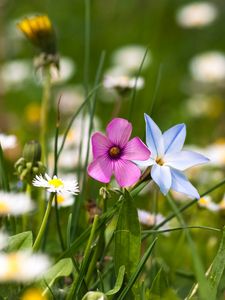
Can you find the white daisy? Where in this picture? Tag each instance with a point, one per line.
(56, 185)
(207, 202)
(196, 14)
(222, 203)
(64, 200)
(149, 219)
(22, 266)
(123, 82)
(130, 57)
(15, 203)
(208, 67)
(7, 141)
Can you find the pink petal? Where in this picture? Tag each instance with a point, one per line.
(101, 169)
(100, 144)
(136, 149)
(119, 131)
(126, 172)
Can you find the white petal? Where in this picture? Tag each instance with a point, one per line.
(145, 163)
(174, 138)
(184, 160)
(154, 138)
(181, 184)
(162, 177)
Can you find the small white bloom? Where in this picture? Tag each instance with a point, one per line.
(216, 153)
(196, 14)
(130, 57)
(149, 219)
(200, 105)
(22, 266)
(207, 202)
(222, 203)
(208, 67)
(56, 185)
(14, 73)
(64, 200)
(123, 82)
(7, 141)
(66, 70)
(3, 239)
(15, 203)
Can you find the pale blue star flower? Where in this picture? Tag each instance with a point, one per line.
(168, 160)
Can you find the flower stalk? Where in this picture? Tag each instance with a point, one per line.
(44, 223)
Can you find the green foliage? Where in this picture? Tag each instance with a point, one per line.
(127, 237)
(62, 268)
(20, 241)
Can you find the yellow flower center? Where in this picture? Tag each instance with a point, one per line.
(55, 182)
(159, 161)
(60, 199)
(33, 294)
(4, 208)
(203, 201)
(13, 265)
(114, 152)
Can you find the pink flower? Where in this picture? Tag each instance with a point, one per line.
(113, 154)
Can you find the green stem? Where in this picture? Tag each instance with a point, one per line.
(44, 112)
(25, 216)
(44, 223)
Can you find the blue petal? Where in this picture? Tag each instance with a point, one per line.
(184, 160)
(174, 138)
(154, 138)
(162, 177)
(181, 184)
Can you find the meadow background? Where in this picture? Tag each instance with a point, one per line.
(170, 94)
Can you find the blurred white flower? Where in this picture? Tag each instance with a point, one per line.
(56, 185)
(149, 219)
(70, 157)
(64, 200)
(208, 67)
(15, 203)
(71, 98)
(14, 73)
(123, 83)
(66, 70)
(200, 105)
(130, 57)
(7, 141)
(222, 203)
(22, 266)
(207, 202)
(216, 153)
(3, 240)
(197, 14)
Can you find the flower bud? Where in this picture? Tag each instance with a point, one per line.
(94, 296)
(32, 152)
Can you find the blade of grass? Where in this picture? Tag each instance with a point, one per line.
(133, 95)
(80, 198)
(4, 182)
(204, 291)
(138, 271)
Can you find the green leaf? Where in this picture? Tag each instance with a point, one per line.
(119, 282)
(62, 268)
(159, 284)
(4, 183)
(127, 237)
(20, 241)
(137, 272)
(217, 267)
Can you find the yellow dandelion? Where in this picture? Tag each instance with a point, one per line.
(39, 30)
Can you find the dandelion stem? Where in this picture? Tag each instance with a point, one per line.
(44, 112)
(44, 223)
